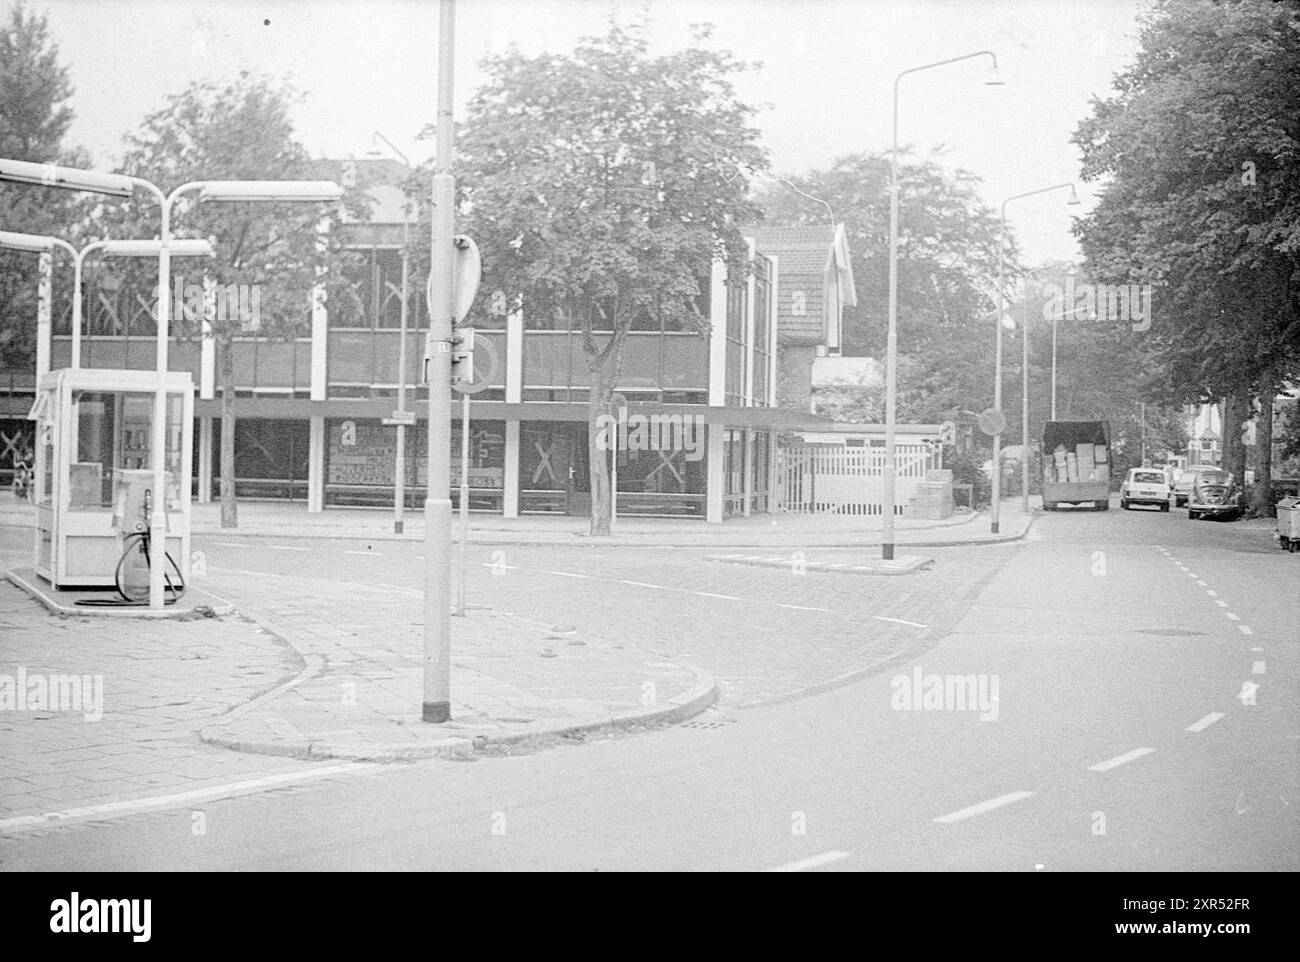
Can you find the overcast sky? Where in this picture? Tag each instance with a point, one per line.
(828, 69)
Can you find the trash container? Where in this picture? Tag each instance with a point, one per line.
(1288, 524)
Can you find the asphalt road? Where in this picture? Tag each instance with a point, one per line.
(1144, 669)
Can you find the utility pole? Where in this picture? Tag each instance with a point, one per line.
(436, 702)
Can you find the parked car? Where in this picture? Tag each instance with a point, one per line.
(1214, 493)
(1144, 486)
(1183, 486)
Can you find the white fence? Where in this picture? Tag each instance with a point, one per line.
(835, 480)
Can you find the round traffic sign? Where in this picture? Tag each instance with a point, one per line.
(992, 422)
(483, 374)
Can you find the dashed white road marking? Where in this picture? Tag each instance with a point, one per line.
(825, 858)
(982, 807)
(710, 594)
(1245, 629)
(641, 584)
(135, 806)
(803, 608)
(1221, 603)
(570, 574)
(900, 621)
(1257, 649)
(1209, 591)
(1118, 760)
(1198, 581)
(1257, 668)
(1201, 724)
(1231, 617)
(285, 547)
(239, 544)
(368, 554)
(498, 566)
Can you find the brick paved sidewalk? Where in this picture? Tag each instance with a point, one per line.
(514, 681)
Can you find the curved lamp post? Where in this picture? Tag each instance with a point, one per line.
(993, 79)
(997, 363)
(122, 185)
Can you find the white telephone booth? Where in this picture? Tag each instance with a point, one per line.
(94, 429)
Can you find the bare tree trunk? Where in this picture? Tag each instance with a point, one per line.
(1234, 412)
(1262, 504)
(598, 403)
(226, 373)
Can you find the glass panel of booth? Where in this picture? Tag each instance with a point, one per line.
(111, 434)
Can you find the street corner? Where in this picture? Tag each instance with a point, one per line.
(503, 704)
(800, 562)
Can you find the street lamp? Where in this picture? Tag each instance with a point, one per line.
(121, 248)
(121, 185)
(993, 79)
(399, 461)
(997, 363)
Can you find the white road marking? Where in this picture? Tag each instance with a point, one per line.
(1221, 603)
(982, 807)
(1257, 668)
(1190, 574)
(287, 547)
(710, 594)
(814, 861)
(1120, 760)
(570, 574)
(1245, 629)
(900, 621)
(1204, 723)
(1257, 649)
(1209, 591)
(135, 806)
(642, 584)
(240, 544)
(501, 567)
(368, 554)
(1230, 616)
(803, 608)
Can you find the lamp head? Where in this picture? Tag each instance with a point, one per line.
(33, 243)
(152, 248)
(1073, 199)
(307, 191)
(69, 178)
(994, 77)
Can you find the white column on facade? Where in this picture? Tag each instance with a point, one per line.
(44, 296)
(316, 465)
(514, 357)
(718, 335)
(716, 479)
(775, 483)
(319, 328)
(205, 459)
(751, 287)
(773, 315)
(749, 470)
(510, 477)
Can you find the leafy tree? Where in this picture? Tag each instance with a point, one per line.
(1198, 150)
(241, 130)
(600, 185)
(34, 118)
(947, 255)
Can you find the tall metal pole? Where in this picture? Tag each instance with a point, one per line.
(436, 701)
(1024, 409)
(158, 452)
(44, 303)
(997, 378)
(464, 499)
(891, 343)
(399, 460)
